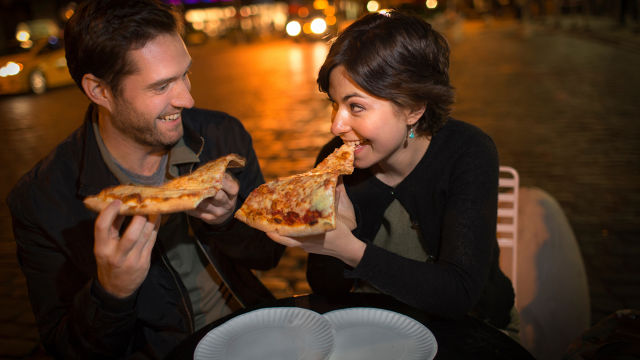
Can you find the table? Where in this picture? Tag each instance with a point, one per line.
(466, 338)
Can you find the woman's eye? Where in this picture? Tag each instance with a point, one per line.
(355, 107)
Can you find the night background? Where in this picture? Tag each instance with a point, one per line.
(554, 83)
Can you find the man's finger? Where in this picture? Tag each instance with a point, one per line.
(230, 186)
(132, 236)
(107, 227)
(154, 222)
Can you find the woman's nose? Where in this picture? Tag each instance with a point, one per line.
(339, 124)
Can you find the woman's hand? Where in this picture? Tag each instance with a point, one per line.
(346, 214)
(339, 243)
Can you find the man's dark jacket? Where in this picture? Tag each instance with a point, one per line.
(54, 234)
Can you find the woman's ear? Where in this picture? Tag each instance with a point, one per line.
(97, 91)
(414, 114)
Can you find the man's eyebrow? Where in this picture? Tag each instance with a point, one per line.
(170, 79)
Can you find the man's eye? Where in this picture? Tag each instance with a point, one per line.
(162, 87)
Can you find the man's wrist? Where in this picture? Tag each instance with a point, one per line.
(110, 302)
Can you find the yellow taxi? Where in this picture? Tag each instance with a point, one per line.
(34, 67)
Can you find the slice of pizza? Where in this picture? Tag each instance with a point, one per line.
(297, 205)
(180, 194)
(302, 204)
(340, 161)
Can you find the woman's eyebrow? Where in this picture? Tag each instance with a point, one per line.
(349, 96)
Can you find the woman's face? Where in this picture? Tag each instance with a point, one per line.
(377, 125)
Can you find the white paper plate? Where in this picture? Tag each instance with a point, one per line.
(372, 334)
(279, 333)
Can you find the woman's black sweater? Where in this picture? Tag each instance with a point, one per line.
(451, 196)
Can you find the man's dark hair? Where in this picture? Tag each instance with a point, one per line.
(100, 34)
(397, 57)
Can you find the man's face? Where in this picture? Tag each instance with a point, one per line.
(148, 107)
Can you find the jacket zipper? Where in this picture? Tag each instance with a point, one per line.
(206, 255)
(182, 297)
(204, 251)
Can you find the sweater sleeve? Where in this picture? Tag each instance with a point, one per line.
(452, 284)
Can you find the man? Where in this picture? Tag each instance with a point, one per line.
(109, 286)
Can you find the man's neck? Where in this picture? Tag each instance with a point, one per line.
(137, 158)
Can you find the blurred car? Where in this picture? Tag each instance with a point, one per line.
(34, 69)
(308, 21)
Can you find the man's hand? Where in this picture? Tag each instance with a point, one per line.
(123, 262)
(219, 208)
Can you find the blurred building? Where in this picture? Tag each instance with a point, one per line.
(237, 20)
(300, 19)
(250, 19)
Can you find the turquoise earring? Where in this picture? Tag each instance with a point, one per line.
(412, 134)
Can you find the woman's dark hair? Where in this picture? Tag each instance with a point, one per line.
(100, 34)
(397, 57)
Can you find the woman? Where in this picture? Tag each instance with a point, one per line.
(423, 197)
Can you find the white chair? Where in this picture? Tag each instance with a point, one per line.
(540, 254)
(507, 226)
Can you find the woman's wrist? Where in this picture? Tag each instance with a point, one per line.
(354, 252)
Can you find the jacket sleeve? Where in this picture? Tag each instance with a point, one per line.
(76, 318)
(251, 247)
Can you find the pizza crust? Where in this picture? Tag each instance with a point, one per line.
(180, 194)
(155, 200)
(320, 227)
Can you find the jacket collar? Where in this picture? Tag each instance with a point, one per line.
(191, 137)
(192, 140)
(94, 173)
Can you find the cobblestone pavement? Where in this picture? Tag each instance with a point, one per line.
(560, 102)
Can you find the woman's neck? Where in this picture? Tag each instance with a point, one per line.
(393, 170)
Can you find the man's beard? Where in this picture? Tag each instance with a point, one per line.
(135, 126)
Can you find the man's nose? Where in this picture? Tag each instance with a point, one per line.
(183, 98)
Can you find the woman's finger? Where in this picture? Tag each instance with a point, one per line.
(284, 240)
